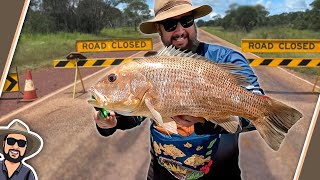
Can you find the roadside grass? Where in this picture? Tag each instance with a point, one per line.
(125, 32)
(271, 33)
(39, 50)
(36, 51)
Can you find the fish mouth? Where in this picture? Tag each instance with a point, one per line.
(97, 97)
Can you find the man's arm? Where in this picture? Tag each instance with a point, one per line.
(121, 122)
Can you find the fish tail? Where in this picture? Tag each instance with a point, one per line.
(278, 119)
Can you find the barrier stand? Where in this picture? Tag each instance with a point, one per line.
(317, 79)
(12, 84)
(19, 92)
(76, 60)
(75, 57)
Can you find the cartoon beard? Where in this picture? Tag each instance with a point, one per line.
(14, 160)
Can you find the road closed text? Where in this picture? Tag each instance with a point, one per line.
(280, 46)
(114, 45)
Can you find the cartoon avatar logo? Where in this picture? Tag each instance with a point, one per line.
(19, 144)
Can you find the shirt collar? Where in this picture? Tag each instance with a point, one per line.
(200, 49)
(4, 168)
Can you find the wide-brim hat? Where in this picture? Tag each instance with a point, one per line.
(165, 9)
(34, 143)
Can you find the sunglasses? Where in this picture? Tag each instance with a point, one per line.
(12, 141)
(171, 24)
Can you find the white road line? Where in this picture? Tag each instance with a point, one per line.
(52, 94)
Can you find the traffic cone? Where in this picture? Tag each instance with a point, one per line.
(29, 89)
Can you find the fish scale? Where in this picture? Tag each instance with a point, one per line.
(174, 83)
(172, 67)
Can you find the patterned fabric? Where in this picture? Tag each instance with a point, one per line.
(185, 157)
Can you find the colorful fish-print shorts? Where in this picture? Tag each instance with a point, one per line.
(185, 157)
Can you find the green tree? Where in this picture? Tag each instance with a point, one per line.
(244, 17)
(136, 12)
(200, 23)
(92, 15)
(316, 5)
(58, 11)
(36, 20)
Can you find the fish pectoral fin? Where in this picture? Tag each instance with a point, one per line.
(171, 126)
(230, 124)
(157, 116)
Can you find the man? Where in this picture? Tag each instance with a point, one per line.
(18, 144)
(199, 150)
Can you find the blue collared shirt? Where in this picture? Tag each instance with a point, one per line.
(21, 173)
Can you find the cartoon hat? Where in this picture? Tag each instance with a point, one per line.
(164, 9)
(34, 143)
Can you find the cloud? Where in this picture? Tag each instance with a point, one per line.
(259, 2)
(296, 4)
(268, 4)
(213, 14)
(151, 12)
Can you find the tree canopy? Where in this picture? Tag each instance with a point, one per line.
(89, 16)
(249, 17)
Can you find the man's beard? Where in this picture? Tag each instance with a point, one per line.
(192, 45)
(14, 160)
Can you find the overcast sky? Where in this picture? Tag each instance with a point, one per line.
(273, 6)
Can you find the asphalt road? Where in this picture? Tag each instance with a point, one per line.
(73, 149)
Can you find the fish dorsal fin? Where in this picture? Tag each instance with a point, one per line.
(172, 51)
(229, 66)
(237, 78)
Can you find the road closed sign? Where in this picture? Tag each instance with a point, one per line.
(280, 45)
(114, 45)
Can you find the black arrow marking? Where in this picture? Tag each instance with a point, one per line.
(13, 83)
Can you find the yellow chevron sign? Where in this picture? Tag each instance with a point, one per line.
(12, 83)
(289, 62)
(114, 45)
(280, 45)
(90, 62)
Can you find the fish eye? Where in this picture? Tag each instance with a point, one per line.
(112, 77)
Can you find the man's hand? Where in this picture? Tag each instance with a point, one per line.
(105, 123)
(185, 120)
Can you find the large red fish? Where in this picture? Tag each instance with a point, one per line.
(176, 83)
